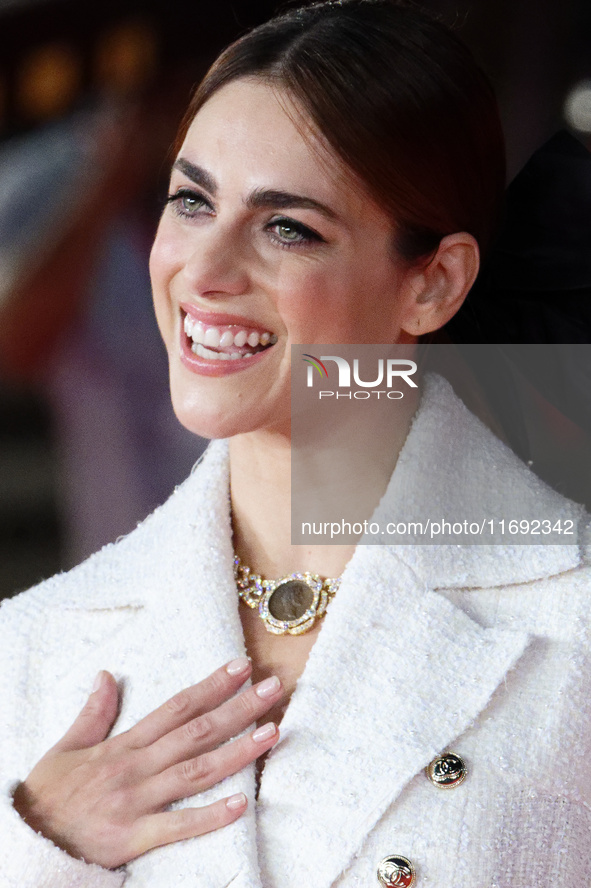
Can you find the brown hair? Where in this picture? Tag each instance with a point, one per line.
(398, 98)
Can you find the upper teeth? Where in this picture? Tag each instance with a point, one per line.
(213, 337)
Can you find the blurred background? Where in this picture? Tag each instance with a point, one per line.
(90, 98)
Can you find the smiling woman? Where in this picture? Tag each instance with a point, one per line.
(337, 175)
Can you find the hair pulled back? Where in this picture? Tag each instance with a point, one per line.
(398, 98)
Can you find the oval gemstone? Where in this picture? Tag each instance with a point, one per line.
(290, 600)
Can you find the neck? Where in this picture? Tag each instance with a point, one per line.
(260, 472)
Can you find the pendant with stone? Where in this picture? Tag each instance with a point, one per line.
(292, 604)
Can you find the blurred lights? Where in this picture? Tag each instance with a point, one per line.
(577, 107)
(49, 81)
(126, 57)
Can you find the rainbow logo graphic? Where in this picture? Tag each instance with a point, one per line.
(317, 364)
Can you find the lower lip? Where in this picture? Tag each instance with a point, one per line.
(215, 366)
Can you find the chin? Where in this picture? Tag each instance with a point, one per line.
(207, 423)
(200, 405)
(212, 418)
(228, 406)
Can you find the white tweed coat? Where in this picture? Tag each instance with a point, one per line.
(478, 650)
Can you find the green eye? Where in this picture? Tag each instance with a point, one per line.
(288, 232)
(187, 203)
(190, 202)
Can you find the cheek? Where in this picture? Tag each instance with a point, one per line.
(163, 268)
(316, 303)
(346, 304)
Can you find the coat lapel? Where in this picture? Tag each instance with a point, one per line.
(183, 624)
(397, 673)
(197, 627)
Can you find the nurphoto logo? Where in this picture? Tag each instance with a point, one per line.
(388, 372)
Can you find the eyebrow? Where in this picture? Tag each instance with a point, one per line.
(196, 174)
(260, 198)
(283, 200)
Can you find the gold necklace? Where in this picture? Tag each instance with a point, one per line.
(290, 605)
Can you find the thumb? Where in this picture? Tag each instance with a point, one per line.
(96, 717)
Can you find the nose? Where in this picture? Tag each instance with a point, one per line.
(217, 264)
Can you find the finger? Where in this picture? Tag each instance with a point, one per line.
(202, 772)
(96, 718)
(207, 731)
(174, 826)
(190, 702)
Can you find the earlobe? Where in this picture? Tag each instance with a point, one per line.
(437, 290)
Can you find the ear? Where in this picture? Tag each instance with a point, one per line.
(435, 292)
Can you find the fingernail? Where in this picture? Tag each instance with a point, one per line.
(269, 687)
(264, 733)
(97, 682)
(238, 666)
(236, 801)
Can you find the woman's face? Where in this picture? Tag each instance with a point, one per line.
(266, 240)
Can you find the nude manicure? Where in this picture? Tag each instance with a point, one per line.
(269, 687)
(264, 733)
(238, 666)
(236, 801)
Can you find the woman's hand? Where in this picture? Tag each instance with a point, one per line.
(104, 800)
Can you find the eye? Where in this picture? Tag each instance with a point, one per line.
(288, 232)
(186, 202)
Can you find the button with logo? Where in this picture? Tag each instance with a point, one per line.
(447, 771)
(396, 871)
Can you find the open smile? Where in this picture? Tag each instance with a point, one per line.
(219, 348)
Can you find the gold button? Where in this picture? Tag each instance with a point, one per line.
(396, 871)
(447, 770)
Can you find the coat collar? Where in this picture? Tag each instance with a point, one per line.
(450, 465)
(453, 467)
